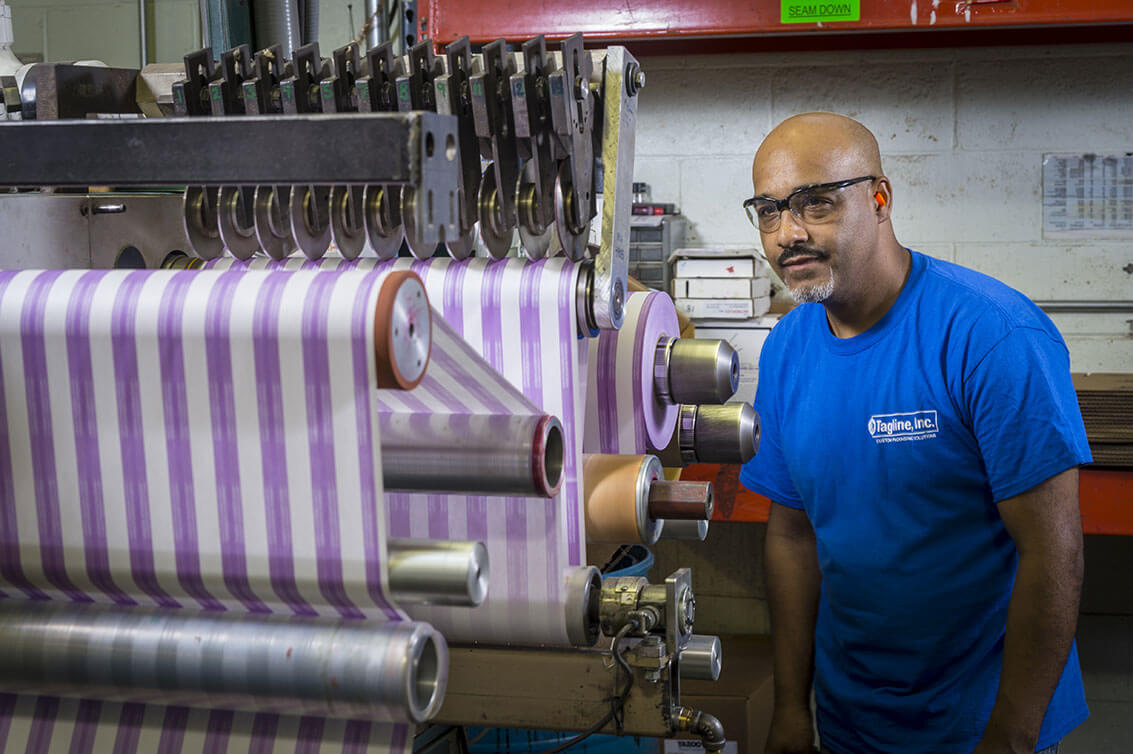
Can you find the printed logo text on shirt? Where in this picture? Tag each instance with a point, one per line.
(903, 427)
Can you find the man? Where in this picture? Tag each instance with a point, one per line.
(921, 443)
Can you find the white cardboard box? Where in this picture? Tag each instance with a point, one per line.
(723, 308)
(748, 342)
(723, 267)
(753, 288)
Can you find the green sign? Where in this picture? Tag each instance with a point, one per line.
(814, 11)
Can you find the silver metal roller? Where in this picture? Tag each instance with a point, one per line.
(391, 672)
(438, 572)
(491, 455)
(689, 370)
(693, 531)
(583, 594)
(720, 434)
(701, 658)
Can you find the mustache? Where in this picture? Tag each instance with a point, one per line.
(799, 251)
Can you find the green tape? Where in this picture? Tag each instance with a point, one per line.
(813, 11)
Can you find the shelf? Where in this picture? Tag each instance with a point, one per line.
(1105, 496)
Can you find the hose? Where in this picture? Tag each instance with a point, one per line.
(277, 22)
(310, 21)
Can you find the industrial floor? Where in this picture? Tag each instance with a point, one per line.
(1105, 648)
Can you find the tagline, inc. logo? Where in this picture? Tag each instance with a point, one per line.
(903, 427)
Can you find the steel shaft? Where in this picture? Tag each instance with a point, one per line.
(492, 455)
(438, 572)
(689, 501)
(332, 667)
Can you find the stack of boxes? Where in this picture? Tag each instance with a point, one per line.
(726, 293)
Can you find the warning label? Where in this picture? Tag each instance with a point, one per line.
(814, 11)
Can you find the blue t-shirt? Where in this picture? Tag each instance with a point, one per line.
(898, 443)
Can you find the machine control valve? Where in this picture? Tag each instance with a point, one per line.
(667, 609)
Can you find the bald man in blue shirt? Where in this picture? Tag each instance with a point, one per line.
(921, 443)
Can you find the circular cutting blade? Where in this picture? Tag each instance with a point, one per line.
(383, 220)
(310, 219)
(273, 221)
(347, 227)
(572, 239)
(199, 214)
(240, 239)
(495, 230)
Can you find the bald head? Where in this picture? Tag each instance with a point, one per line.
(814, 148)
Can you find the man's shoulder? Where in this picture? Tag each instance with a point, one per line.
(797, 324)
(972, 302)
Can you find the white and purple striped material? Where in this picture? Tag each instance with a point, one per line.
(198, 440)
(623, 414)
(519, 317)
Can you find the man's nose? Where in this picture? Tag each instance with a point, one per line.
(791, 229)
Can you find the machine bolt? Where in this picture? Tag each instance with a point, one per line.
(651, 646)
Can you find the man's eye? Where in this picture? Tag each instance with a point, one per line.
(814, 201)
(764, 211)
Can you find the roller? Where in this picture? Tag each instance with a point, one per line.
(403, 331)
(693, 531)
(627, 498)
(474, 454)
(389, 672)
(438, 572)
(687, 370)
(583, 591)
(701, 658)
(713, 434)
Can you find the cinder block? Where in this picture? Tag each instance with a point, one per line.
(680, 113)
(984, 197)
(663, 176)
(1076, 104)
(1097, 353)
(713, 191)
(907, 105)
(1052, 270)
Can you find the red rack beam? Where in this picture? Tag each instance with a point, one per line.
(625, 20)
(1106, 497)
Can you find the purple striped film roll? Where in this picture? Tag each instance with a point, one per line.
(623, 412)
(505, 341)
(191, 439)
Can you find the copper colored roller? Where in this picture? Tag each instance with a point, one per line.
(687, 501)
(616, 494)
(403, 331)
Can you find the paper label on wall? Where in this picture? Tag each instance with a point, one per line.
(814, 11)
(1088, 196)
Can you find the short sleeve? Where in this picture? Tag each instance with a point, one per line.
(767, 472)
(1024, 412)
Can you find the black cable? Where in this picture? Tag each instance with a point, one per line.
(617, 703)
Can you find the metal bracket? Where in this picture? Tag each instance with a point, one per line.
(620, 79)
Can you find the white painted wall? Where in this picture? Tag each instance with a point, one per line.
(962, 134)
(106, 30)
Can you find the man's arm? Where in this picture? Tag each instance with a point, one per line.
(793, 581)
(1046, 524)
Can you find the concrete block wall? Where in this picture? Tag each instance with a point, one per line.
(962, 135)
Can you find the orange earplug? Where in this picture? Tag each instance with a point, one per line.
(880, 199)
